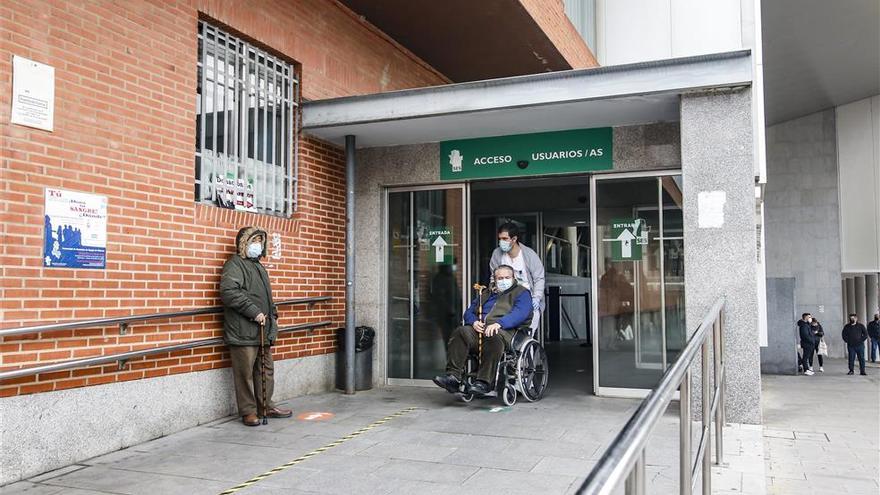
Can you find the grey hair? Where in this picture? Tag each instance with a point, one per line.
(505, 267)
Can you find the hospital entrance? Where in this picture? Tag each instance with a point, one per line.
(613, 252)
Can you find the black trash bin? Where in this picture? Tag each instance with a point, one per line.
(364, 338)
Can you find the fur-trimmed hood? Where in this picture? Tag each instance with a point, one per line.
(244, 238)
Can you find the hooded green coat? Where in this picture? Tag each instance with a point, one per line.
(245, 292)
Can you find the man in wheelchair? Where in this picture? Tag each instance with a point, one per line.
(497, 318)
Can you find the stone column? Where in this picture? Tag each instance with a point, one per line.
(861, 299)
(720, 253)
(845, 299)
(872, 291)
(850, 296)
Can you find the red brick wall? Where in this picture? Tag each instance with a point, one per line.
(550, 15)
(125, 75)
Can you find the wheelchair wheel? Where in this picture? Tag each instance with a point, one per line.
(533, 372)
(466, 397)
(508, 395)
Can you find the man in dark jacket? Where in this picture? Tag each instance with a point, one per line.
(854, 334)
(808, 342)
(504, 312)
(874, 334)
(247, 300)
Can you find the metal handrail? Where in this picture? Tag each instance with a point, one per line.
(624, 460)
(124, 357)
(124, 321)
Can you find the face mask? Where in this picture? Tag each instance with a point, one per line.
(852, 320)
(254, 250)
(503, 284)
(504, 245)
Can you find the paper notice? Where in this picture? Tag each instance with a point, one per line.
(33, 94)
(710, 209)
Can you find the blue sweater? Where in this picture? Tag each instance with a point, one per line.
(522, 306)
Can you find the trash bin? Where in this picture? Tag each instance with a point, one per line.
(364, 338)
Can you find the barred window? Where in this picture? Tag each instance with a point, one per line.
(246, 126)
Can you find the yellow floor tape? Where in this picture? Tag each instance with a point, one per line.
(317, 451)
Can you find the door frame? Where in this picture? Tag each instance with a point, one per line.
(636, 393)
(464, 187)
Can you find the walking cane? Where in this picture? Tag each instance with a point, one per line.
(480, 288)
(262, 355)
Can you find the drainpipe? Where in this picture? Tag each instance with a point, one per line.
(349, 265)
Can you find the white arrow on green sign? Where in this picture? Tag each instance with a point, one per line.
(441, 239)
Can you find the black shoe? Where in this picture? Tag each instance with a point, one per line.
(863, 373)
(449, 382)
(850, 373)
(479, 388)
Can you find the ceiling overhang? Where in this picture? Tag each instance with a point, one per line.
(466, 40)
(818, 54)
(607, 96)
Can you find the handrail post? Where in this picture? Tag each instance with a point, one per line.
(719, 384)
(636, 481)
(707, 422)
(684, 429)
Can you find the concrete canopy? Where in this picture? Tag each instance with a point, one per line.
(818, 54)
(609, 96)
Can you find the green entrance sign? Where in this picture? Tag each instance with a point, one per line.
(543, 153)
(628, 235)
(440, 239)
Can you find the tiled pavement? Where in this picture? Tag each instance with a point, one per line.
(443, 446)
(820, 437)
(822, 432)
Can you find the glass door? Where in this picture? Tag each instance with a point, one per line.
(426, 245)
(638, 310)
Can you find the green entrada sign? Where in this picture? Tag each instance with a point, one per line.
(628, 235)
(440, 240)
(559, 152)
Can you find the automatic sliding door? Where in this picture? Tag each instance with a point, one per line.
(639, 303)
(425, 296)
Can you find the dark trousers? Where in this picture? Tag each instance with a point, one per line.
(818, 356)
(855, 351)
(246, 378)
(875, 346)
(465, 340)
(808, 355)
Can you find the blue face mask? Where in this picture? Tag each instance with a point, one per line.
(254, 250)
(505, 246)
(504, 284)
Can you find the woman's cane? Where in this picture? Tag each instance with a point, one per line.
(262, 355)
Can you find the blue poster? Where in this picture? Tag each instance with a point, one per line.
(74, 230)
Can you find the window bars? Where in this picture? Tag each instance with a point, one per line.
(246, 126)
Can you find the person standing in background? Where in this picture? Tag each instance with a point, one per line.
(874, 335)
(821, 346)
(855, 334)
(805, 333)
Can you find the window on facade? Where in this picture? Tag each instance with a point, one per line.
(246, 126)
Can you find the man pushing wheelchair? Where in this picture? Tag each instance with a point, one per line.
(490, 326)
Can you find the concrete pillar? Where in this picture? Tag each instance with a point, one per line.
(872, 291)
(716, 160)
(850, 296)
(844, 300)
(861, 299)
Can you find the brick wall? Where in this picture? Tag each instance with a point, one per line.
(125, 75)
(550, 15)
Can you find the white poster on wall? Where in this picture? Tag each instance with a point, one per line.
(74, 230)
(33, 94)
(710, 209)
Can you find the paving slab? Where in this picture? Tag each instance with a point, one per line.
(834, 421)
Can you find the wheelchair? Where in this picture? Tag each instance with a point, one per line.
(522, 370)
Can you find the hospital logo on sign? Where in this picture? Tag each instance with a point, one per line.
(455, 159)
